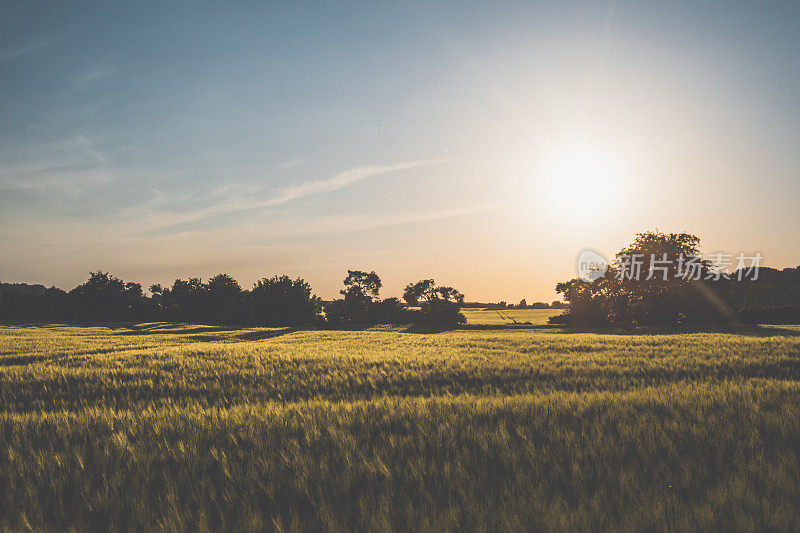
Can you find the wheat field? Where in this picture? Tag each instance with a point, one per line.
(138, 426)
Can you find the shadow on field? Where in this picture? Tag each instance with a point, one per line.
(148, 327)
(481, 327)
(63, 324)
(168, 328)
(250, 333)
(747, 331)
(769, 331)
(196, 332)
(261, 335)
(428, 328)
(17, 360)
(207, 333)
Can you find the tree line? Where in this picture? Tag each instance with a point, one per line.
(276, 301)
(523, 304)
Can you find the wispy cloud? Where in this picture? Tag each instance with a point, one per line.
(365, 222)
(86, 146)
(317, 226)
(249, 201)
(93, 76)
(340, 180)
(290, 164)
(70, 166)
(23, 50)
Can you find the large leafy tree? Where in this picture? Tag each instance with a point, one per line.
(186, 300)
(224, 300)
(105, 297)
(438, 304)
(361, 290)
(282, 301)
(658, 280)
(421, 291)
(361, 287)
(426, 290)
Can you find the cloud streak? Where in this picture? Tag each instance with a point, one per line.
(290, 164)
(339, 181)
(320, 226)
(355, 223)
(70, 166)
(288, 194)
(93, 77)
(25, 49)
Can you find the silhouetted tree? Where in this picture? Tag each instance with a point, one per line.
(185, 301)
(772, 297)
(677, 300)
(439, 305)
(663, 292)
(794, 294)
(361, 287)
(421, 291)
(281, 301)
(360, 293)
(391, 311)
(361, 305)
(107, 298)
(53, 304)
(20, 301)
(159, 300)
(337, 313)
(223, 301)
(426, 290)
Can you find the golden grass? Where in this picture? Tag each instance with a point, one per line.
(194, 427)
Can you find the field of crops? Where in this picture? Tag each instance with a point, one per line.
(187, 427)
(509, 317)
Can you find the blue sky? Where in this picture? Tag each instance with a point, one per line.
(483, 144)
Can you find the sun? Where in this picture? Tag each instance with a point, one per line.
(582, 183)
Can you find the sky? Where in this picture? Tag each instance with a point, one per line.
(480, 144)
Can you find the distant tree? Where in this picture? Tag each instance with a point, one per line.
(223, 301)
(391, 311)
(442, 312)
(53, 304)
(360, 293)
(107, 298)
(421, 291)
(794, 294)
(361, 286)
(337, 313)
(439, 305)
(158, 300)
(281, 301)
(426, 291)
(771, 296)
(185, 301)
(449, 294)
(522, 304)
(20, 300)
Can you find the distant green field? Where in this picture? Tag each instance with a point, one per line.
(491, 317)
(196, 427)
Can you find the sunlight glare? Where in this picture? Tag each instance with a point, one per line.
(582, 183)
